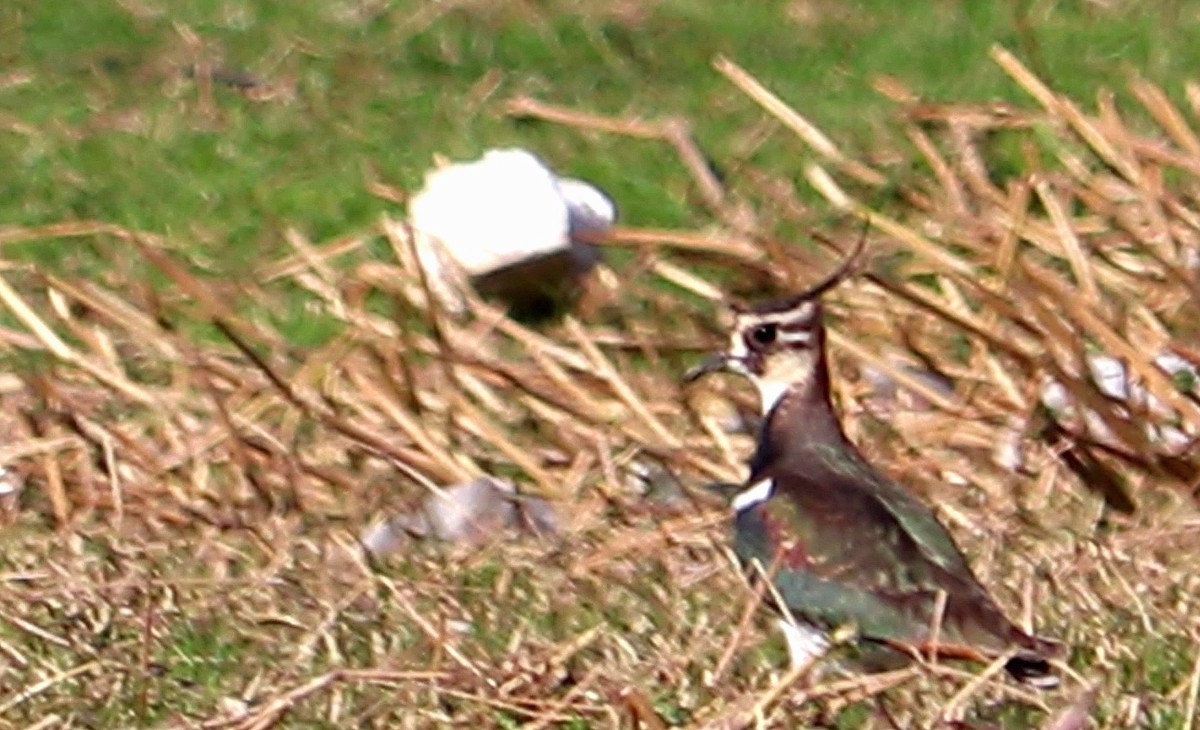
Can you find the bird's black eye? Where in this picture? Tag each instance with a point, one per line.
(764, 334)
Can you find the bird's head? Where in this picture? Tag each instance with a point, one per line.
(777, 344)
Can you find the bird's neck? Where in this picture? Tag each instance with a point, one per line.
(802, 425)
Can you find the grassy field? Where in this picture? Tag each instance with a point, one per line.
(99, 121)
(179, 549)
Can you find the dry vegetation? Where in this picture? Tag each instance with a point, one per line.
(181, 550)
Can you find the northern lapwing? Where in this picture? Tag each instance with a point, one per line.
(845, 545)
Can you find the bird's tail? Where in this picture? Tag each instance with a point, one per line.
(1033, 671)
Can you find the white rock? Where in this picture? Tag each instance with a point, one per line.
(10, 482)
(468, 513)
(1113, 379)
(507, 209)
(1108, 373)
(1174, 364)
(588, 209)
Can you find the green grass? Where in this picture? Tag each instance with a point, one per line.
(100, 122)
(107, 128)
(97, 122)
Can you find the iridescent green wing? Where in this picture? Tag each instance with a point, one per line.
(840, 554)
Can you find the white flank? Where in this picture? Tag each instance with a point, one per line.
(805, 643)
(1046, 681)
(755, 493)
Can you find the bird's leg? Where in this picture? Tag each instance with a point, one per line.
(806, 644)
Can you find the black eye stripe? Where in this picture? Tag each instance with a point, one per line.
(791, 323)
(784, 329)
(764, 334)
(793, 327)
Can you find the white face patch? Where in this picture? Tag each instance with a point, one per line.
(785, 370)
(754, 494)
(770, 391)
(775, 382)
(799, 337)
(737, 346)
(802, 314)
(777, 351)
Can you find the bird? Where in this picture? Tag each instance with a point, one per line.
(844, 545)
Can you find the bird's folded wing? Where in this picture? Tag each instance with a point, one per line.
(841, 552)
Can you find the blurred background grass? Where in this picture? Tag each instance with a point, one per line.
(99, 121)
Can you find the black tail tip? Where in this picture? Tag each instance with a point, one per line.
(1032, 671)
